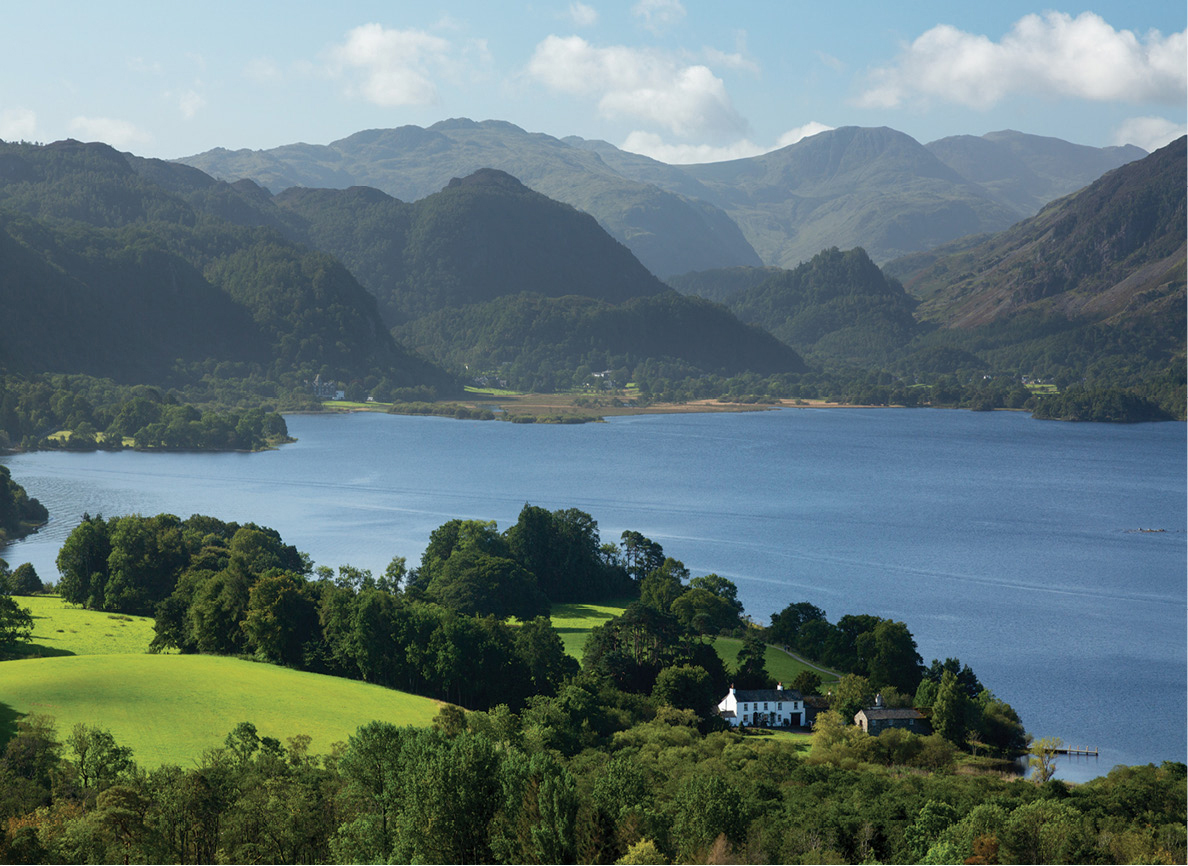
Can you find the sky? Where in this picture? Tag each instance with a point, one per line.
(678, 80)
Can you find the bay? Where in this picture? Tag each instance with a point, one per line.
(1049, 557)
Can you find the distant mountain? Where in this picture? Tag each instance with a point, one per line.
(877, 188)
(1095, 283)
(851, 187)
(1025, 172)
(666, 231)
(1115, 247)
(482, 237)
(106, 271)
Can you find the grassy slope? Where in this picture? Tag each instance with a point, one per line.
(63, 629)
(169, 708)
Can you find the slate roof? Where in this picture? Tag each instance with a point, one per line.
(753, 696)
(875, 713)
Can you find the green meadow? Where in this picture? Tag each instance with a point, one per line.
(170, 708)
(778, 663)
(64, 629)
(93, 667)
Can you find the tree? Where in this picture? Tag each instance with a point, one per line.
(950, 710)
(1043, 758)
(889, 653)
(281, 617)
(663, 585)
(751, 672)
(82, 562)
(16, 624)
(641, 555)
(687, 687)
(807, 682)
(24, 580)
(787, 624)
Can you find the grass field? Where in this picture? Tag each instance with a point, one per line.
(63, 629)
(778, 663)
(169, 709)
(574, 621)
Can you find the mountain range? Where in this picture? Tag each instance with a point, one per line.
(875, 188)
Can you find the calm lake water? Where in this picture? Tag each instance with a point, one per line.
(1020, 546)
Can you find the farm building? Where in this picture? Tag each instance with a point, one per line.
(767, 707)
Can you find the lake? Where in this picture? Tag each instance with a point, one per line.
(1050, 557)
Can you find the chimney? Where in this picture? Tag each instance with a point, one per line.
(779, 687)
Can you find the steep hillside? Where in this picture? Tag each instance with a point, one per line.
(1092, 288)
(108, 272)
(838, 307)
(480, 238)
(667, 232)
(1026, 172)
(1116, 247)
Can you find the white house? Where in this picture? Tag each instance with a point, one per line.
(767, 707)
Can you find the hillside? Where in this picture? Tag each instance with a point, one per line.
(171, 708)
(666, 231)
(108, 272)
(536, 342)
(1025, 172)
(480, 238)
(837, 307)
(1115, 247)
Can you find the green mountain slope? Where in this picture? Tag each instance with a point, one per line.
(667, 232)
(107, 271)
(480, 238)
(1114, 248)
(838, 307)
(535, 342)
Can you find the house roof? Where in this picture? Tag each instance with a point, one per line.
(873, 713)
(759, 695)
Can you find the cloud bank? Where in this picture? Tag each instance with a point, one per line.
(638, 84)
(1053, 54)
(390, 67)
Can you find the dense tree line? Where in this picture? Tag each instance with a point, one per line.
(20, 513)
(636, 782)
(98, 413)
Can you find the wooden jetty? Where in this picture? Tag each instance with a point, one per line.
(1065, 750)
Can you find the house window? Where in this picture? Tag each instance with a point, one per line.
(765, 705)
(744, 706)
(780, 705)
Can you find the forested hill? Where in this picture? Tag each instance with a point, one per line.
(106, 271)
(838, 307)
(482, 237)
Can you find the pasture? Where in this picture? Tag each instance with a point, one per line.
(171, 708)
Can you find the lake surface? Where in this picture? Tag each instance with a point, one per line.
(1020, 546)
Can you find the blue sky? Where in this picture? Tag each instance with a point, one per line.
(680, 80)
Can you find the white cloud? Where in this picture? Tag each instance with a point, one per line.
(638, 84)
(794, 135)
(653, 145)
(658, 15)
(17, 124)
(263, 70)
(190, 103)
(1053, 54)
(120, 134)
(1149, 133)
(736, 60)
(583, 15)
(391, 67)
